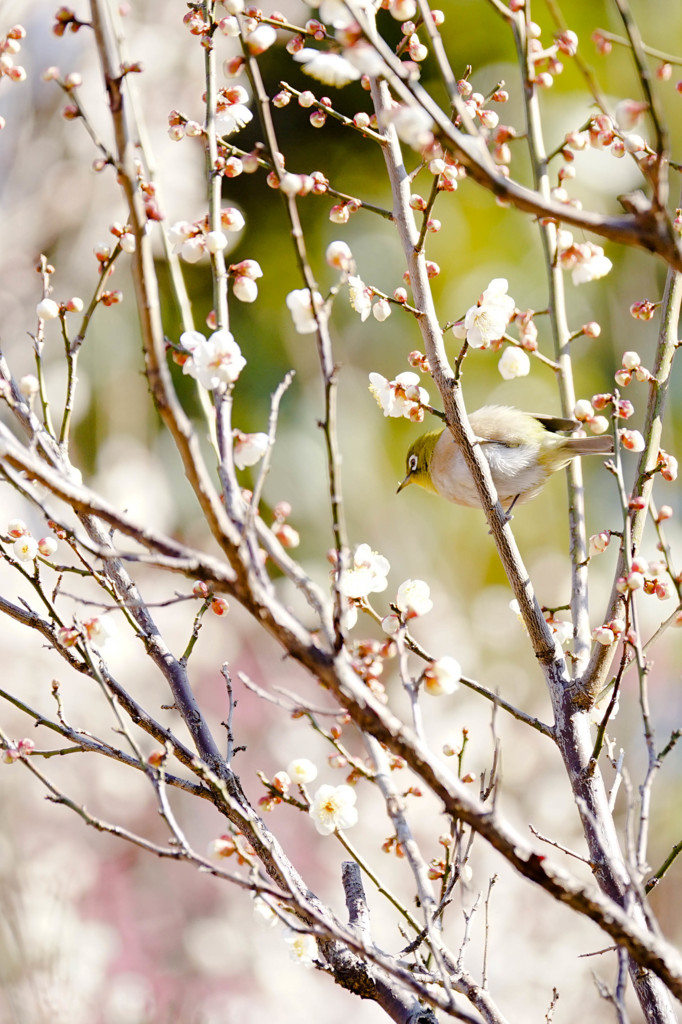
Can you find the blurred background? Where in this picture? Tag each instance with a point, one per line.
(92, 929)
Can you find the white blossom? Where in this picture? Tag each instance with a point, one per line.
(514, 362)
(360, 296)
(261, 39)
(442, 676)
(365, 58)
(301, 309)
(328, 68)
(245, 289)
(399, 397)
(339, 256)
(413, 125)
(381, 310)
(335, 12)
(232, 219)
(333, 808)
(367, 575)
(301, 771)
(249, 448)
(214, 361)
(413, 598)
(47, 309)
(192, 249)
(25, 549)
(216, 241)
(487, 320)
(262, 909)
(99, 630)
(591, 269)
(302, 948)
(29, 385)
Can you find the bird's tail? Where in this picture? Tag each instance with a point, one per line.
(602, 445)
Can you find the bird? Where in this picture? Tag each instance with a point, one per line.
(523, 450)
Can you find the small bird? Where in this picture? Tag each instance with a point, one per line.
(522, 450)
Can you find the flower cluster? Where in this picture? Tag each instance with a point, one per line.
(10, 46)
(16, 749)
(192, 241)
(632, 367)
(584, 412)
(647, 576)
(26, 548)
(400, 397)
(585, 260)
(214, 362)
(487, 321)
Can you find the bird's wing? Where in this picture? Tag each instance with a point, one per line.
(555, 423)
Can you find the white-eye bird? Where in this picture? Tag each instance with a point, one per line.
(522, 450)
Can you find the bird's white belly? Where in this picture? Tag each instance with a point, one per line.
(515, 471)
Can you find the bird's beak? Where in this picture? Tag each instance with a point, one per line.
(404, 483)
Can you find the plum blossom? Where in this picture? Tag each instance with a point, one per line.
(249, 448)
(264, 911)
(487, 320)
(301, 771)
(213, 361)
(339, 256)
(585, 260)
(599, 542)
(365, 58)
(514, 362)
(413, 125)
(328, 68)
(413, 598)
(333, 808)
(47, 309)
(302, 948)
(301, 309)
(99, 630)
(261, 39)
(335, 12)
(360, 296)
(400, 397)
(25, 548)
(367, 575)
(442, 676)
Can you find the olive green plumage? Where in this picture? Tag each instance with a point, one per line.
(522, 450)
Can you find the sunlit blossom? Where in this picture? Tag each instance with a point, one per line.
(413, 598)
(360, 296)
(487, 321)
(400, 397)
(514, 362)
(213, 361)
(25, 548)
(441, 677)
(249, 448)
(302, 948)
(333, 808)
(328, 68)
(301, 309)
(302, 771)
(367, 574)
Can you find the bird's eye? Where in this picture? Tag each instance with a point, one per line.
(412, 463)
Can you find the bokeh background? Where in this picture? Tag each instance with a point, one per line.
(92, 929)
